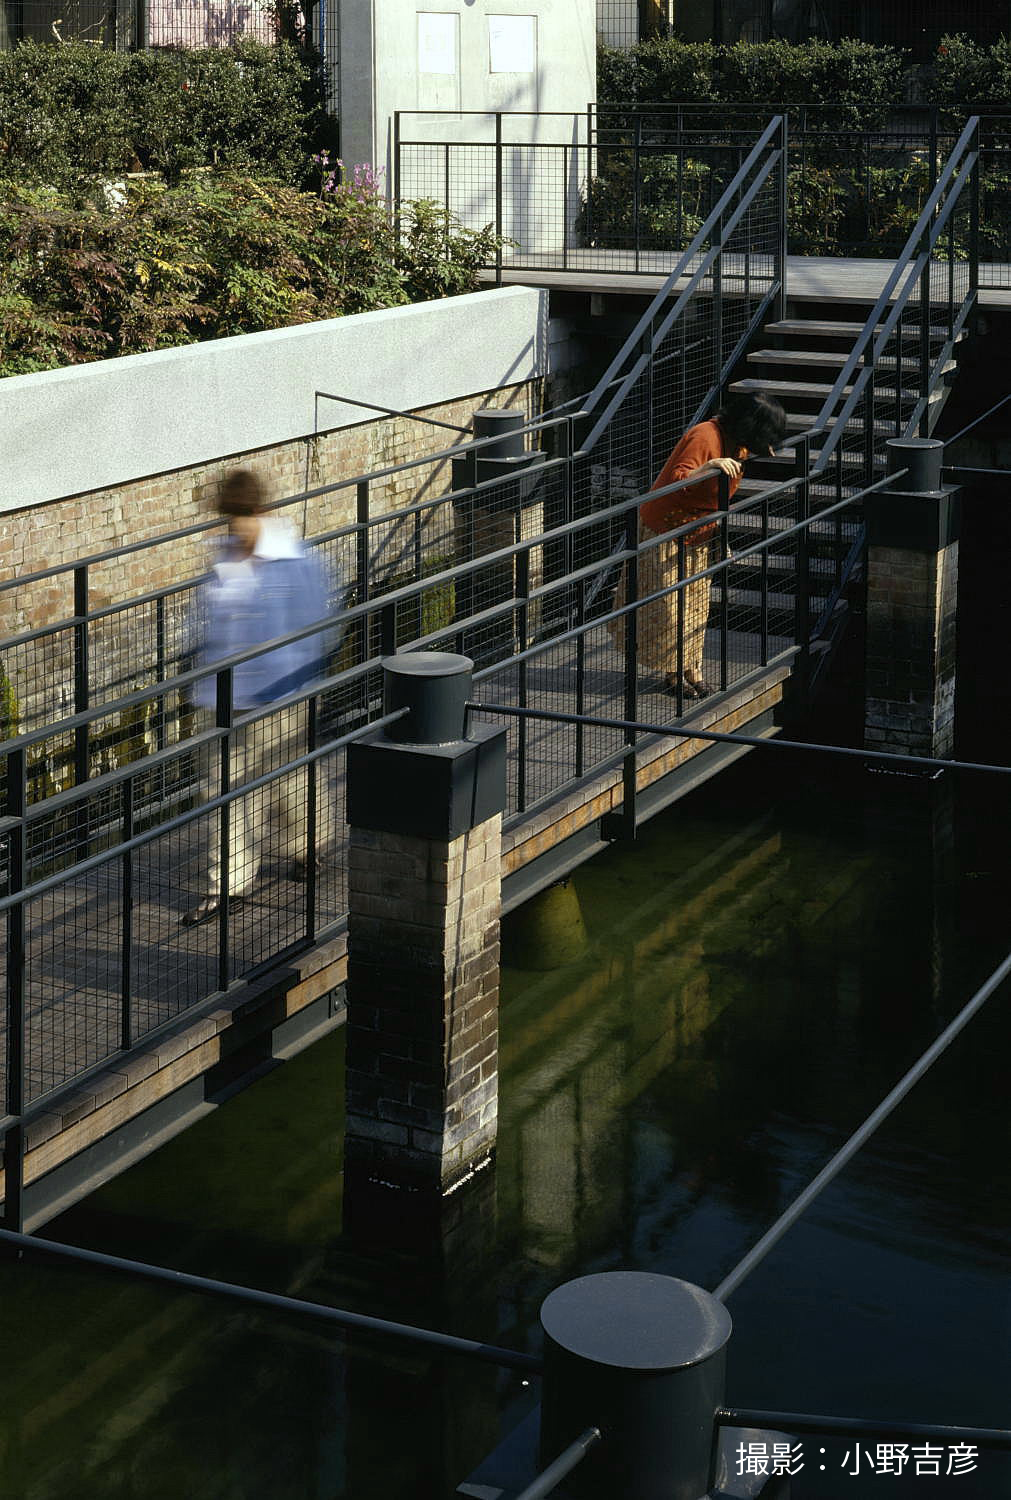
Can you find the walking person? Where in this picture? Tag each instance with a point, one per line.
(264, 584)
(746, 424)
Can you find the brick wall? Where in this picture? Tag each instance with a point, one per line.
(911, 606)
(40, 674)
(422, 1050)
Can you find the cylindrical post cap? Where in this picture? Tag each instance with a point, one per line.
(643, 1358)
(636, 1320)
(434, 686)
(922, 457)
(505, 423)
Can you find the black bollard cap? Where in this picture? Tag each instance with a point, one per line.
(434, 686)
(636, 1320)
(922, 457)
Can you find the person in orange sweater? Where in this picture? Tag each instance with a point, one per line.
(745, 424)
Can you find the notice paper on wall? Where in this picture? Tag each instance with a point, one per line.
(512, 43)
(437, 41)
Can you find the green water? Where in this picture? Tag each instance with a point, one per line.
(756, 974)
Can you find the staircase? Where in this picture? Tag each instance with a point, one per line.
(798, 363)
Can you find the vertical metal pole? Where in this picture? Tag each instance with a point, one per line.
(802, 615)
(783, 244)
(397, 179)
(636, 184)
(81, 692)
(126, 940)
(724, 535)
(313, 770)
(224, 708)
(870, 402)
(159, 637)
(679, 700)
(445, 173)
(565, 207)
(924, 425)
(763, 606)
(718, 309)
(142, 37)
(14, 1139)
(523, 594)
(589, 174)
(498, 198)
(976, 146)
(363, 588)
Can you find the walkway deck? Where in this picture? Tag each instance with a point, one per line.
(76, 939)
(808, 278)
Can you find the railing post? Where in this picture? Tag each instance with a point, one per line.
(522, 641)
(783, 244)
(126, 937)
(14, 1136)
(498, 198)
(723, 493)
(802, 600)
(718, 309)
(313, 771)
(974, 215)
(363, 585)
(924, 372)
(396, 176)
(223, 718)
(636, 184)
(82, 701)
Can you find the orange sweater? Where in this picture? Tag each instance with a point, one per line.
(699, 445)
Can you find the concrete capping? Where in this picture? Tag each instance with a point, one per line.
(88, 427)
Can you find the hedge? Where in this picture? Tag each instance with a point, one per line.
(70, 113)
(864, 80)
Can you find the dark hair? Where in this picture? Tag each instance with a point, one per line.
(752, 420)
(241, 494)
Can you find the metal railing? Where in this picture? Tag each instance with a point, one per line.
(532, 176)
(887, 386)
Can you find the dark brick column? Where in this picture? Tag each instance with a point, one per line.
(424, 899)
(912, 584)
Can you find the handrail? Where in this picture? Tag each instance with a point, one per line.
(687, 293)
(661, 296)
(910, 263)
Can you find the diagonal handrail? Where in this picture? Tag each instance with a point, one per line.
(915, 255)
(775, 129)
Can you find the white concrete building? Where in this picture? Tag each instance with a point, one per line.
(447, 67)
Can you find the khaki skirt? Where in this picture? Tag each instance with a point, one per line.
(657, 621)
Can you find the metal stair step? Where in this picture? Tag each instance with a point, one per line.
(792, 388)
(821, 328)
(829, 358)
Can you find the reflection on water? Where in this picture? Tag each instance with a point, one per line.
(757, 972)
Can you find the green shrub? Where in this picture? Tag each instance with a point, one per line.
(964, 76)
(74, 112)
(218, 254)
(863, 79)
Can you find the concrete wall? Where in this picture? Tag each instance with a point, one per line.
(384, 48)
(89, 427)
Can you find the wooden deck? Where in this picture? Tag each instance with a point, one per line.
(819, 279)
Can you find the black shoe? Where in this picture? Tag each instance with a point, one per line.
(298, 870)
(675, 685)
(701, 689)
(209, 907)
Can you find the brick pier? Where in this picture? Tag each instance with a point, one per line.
(425, 804)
